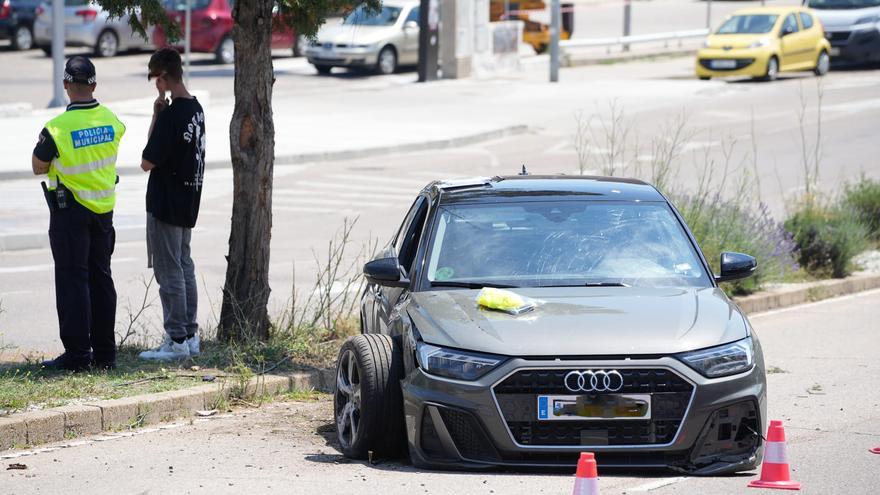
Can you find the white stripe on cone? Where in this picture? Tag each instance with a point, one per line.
(775, 453)
(586, 486)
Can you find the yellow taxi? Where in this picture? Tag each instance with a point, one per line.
(762, 42)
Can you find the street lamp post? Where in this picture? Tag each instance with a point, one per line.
(627, 21)
(58, 98)
(555, 27)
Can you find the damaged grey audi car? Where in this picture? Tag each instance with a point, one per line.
(520, 320)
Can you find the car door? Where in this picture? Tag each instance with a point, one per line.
(796, 49)
(410, 52)
(813, 34)
(406, 246)
(282, 34)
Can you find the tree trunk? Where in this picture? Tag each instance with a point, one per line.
(244, 313)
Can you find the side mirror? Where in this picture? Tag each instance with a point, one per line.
(786, 31)
(385, 272)
(735, 266)
(410, 25)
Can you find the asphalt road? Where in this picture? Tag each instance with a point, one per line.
(824, 387)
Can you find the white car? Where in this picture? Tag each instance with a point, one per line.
(87, 24)
(381, 41)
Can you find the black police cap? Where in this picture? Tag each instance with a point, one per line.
(79, 69)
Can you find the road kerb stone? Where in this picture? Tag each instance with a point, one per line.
(13, 432)
(81, 420)
(825, 289)
(44, 426)
(120, 413)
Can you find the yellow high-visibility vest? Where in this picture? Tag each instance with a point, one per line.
(88, 142)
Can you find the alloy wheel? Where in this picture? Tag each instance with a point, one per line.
(387, 61)
(823, 64)
(348, 400)
(772, 69)
(24, 40)
(227, 51)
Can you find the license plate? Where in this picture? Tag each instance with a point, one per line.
(722, 64)
(594, 407)
(835, 51)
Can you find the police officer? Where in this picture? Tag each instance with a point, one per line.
(78, 150)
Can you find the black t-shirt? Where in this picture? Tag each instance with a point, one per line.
(177, 149)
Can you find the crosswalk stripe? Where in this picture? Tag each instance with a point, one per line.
(374, 178)
(338, 186)
(329, 202)
(287, 193)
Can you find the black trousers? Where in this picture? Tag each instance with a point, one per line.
(82, 243)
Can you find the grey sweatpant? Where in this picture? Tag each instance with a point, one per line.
(169, 250)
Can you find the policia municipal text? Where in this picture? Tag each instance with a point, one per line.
(77, 150)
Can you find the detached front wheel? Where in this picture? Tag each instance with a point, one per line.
(367, 403)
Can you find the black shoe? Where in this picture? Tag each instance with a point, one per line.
(66, 362)
(104, 365)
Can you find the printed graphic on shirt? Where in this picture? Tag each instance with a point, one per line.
(196, 135)
(92, 136)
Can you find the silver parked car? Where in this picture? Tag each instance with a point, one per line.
(87, 24)
(381, 40)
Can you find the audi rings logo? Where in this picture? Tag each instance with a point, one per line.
(594, 381)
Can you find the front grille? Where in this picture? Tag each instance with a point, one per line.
(741, 63)
(838, 35)
(517, 396)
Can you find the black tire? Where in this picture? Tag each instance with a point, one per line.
(770, 74)
(823, 64)
(705, 78)
(373, 422)
(324, 70)
(225, 53)
(107, 44)
(386, 62)
(46, 49)
(22, 37)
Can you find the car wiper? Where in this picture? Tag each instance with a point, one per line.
(470, 285)
(591, 284)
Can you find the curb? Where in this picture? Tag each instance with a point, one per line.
(573, 59)
(56, 424)
(329, 156)
(816, 291)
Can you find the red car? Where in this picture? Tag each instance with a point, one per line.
(212, 29)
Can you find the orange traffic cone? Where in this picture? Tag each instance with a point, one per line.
(875, 450)
(586, 480)
(774, 470)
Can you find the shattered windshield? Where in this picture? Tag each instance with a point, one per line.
(562, 243)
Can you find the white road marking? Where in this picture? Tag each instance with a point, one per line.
(339, 186)
(375, 178)
(800, 307)
(657, 484)
(322, 201)
(560, 148)
(48, 267)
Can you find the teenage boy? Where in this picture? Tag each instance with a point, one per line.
(175, 158)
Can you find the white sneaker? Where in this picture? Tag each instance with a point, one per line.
(194, 344)
(168, 351)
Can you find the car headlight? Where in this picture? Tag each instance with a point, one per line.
(455, 364)
(760, 43)
(724, 360)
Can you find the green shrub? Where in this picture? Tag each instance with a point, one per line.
(828, 238)
(726, 225)
(863, 199)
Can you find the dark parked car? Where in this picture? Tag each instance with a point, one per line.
(632, 351)
(852, 27)
(17, 22)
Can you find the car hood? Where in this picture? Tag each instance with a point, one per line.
(735, 40)
(844, 18)
(354, 35)
(582, 321)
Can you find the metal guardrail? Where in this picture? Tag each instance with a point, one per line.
(640, 38)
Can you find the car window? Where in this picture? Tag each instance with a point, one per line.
(363, 16)
(413, 15)
(399, 236)
(180, 5)
(842, 4)
(806, 20)
(790, 25)
(73, 3)
(748, 24)
(409, 242)
(563, 243)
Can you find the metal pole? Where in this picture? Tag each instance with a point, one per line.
(708, 14)
(627, 21)
(186, 42)
(555, 25)
(58, 97)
